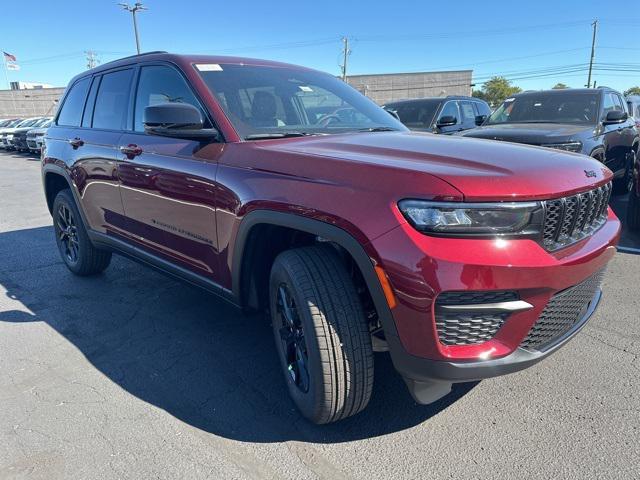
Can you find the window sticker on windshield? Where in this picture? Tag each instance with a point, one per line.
(537, 104)
(304, 88)
(208, 67)
(509, 100)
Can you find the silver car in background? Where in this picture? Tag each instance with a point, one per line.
(36, 135)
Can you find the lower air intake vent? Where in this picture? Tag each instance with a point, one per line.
(562, 313)
(470, 327)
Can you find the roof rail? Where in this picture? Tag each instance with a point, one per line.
(134, 56)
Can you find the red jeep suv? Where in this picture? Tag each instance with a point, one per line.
(283, 189)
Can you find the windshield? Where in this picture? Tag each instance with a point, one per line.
(565, 107)
(416, 114)
(41, 122)
(268, 102)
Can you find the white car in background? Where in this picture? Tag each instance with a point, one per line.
(36, 136)
(6, 126)
(7, 133)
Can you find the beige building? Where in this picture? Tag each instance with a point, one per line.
(387, 87)
(29, 102)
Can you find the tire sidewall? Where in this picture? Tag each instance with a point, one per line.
(65, 198)
(307, 402)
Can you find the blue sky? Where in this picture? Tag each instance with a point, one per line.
(522, 40)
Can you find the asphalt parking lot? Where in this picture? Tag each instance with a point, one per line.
(133, 375)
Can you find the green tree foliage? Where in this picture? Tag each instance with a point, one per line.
(496, 90)
(632, 91)
(560, 86)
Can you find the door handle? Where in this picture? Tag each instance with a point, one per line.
(131, 150)
(76, 142)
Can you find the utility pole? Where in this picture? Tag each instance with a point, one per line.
(133, 9)
(92, 59)
(345, 53)
(593, 52)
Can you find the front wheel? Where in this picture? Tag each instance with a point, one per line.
(624, 184)
(321, 334)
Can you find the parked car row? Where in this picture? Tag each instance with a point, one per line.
(23, 135)
(600, 123)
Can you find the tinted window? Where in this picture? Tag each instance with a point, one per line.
(88, 109)
(468, 113)
(483, 108)
(112, 101)
(417, 114)
(450, 110)
(160, 85)
(71, 111)
(547, 107)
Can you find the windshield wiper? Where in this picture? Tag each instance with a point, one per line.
(378, 129)
(264, 136)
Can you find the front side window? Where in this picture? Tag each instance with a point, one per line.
(545, 107)
(112, 100)
(264, 101)
(450, 110)
(159, 84)
(71, 111)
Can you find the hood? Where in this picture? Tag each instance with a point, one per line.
(481, 170)
(531, 133)
(36, 131)
(18, 131)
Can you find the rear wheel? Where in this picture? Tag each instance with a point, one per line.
(321, 334)
(74, 245)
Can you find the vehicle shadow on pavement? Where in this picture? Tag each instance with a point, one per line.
(184, 350)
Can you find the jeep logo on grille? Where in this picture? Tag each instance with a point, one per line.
(590, 173)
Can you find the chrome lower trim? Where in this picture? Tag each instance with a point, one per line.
(500, 307)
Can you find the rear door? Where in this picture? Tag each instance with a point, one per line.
(614, 135)
(95, 149)
(168, 184)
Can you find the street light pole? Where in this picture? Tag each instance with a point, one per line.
(134, 9)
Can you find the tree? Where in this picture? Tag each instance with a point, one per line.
(560, 86)
(632, 91)
(496, 90)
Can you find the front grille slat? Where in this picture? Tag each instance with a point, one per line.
(568, 220)
(562, 313)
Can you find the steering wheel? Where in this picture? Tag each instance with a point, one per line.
(329, 118)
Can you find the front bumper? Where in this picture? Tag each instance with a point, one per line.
(420, 267)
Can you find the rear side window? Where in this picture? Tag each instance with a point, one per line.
(112, 101)
(159, 84)
(88, 109)
(468, 113)
(71, 112)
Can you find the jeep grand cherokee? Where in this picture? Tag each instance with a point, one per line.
(285, 190)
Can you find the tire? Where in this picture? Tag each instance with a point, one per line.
(74, 245)
(327, 330)
(633, 209)
(624, 184)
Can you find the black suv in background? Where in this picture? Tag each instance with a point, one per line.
(593, 122)
(440, 114)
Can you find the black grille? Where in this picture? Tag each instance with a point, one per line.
(568, 220)
(467, 327)
(564, 311)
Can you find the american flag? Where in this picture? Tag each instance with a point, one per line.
(9, 58)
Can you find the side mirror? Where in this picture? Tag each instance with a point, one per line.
(446, 121)
(178, 120)
(393, 113)
(480, 119)
(615, 116)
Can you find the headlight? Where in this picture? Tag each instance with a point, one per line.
(575, 147)
(481, 219)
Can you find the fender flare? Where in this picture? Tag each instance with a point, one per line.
(58, 170)
(316, 227)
